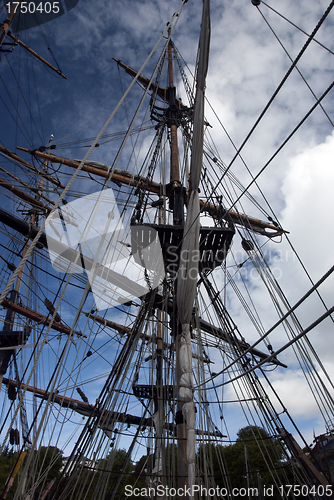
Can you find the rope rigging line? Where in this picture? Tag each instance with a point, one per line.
(17, 125)
(48, 47)
(235, 182)
(233, 144)
(297, 304)
(302, 51)
(300, 73)
(32, 356)
(253, 386)
(116, 376)
(262, 410)
(307, 273)
(20, 92)
(112, 137)
(100, 329)
(307, 365)
(298, 28)
(285, 410)
(90, 446)
(283, 348)
(190, 97)
(284, 143)
(37, 97)
(51, 385)
(231, 175)
(267, 416)
(18, 116)
(309, 372)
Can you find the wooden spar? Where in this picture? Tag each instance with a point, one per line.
(34, 190)
(160, 91)
(116, 177)
(40, 318)
(86, 409)
(303, 458)
(125, 330)
(123, 177)
(24, 196)
(31, 200)
(17, 158)
(256, 225)
(32, 52)
(6, 25)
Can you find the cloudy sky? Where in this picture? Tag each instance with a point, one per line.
(247, 63)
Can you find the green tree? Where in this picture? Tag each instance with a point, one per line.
(46, 463)
(265, 459)
(93, 480)
(264, 455)
(121, 468)
(45, 467)
(8, 460)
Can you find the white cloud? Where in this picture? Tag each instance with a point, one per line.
(296, 397)
(308, 192)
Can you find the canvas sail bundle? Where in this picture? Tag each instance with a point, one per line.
(187, 278)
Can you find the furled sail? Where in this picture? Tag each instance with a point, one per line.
(188, 271)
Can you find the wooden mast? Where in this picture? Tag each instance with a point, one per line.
(178, 218)
(6, 25)
(174, 167)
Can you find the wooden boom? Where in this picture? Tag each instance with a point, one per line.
(123, 177)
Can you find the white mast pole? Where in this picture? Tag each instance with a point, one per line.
(188, 270)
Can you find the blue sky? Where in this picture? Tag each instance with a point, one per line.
(246, 65)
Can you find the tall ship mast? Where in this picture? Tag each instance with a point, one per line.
(150, 319)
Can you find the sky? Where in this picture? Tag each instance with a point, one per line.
(247, 63)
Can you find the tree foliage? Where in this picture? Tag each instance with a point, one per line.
(90, 480)
(264, 454)
(8, 460)
(265, 460)
(45, 465)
